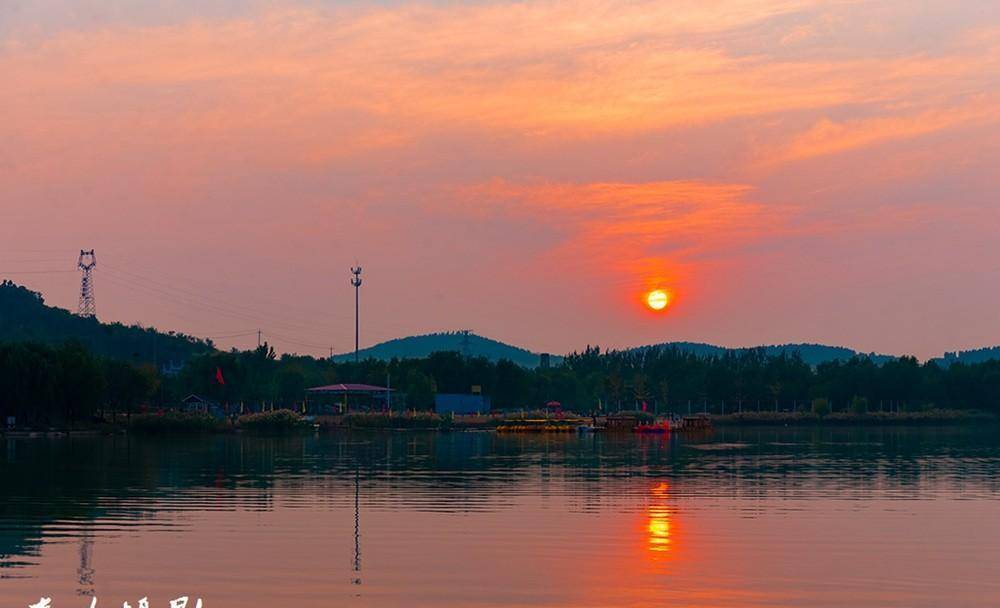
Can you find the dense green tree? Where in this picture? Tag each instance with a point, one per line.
(66, 384)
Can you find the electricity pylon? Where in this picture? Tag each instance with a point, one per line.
(86, 264)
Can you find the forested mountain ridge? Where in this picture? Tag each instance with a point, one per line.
(24, 317)
(418, 347)
(470, 344)
(978, 355)
(58, 368)
(813, 354)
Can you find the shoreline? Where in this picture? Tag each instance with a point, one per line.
(745, 419)
(926, 418)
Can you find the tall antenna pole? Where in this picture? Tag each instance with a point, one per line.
(356, 281)
(465, 342)
(86, 264)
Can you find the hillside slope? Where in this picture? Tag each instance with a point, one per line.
(415, 347)
(970, 357)
(24, 316)
(813, 354)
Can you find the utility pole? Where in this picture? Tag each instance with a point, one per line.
(86, 263)
(258, 338)
(465, 342)
(356, 281)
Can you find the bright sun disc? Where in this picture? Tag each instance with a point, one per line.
(657, 299)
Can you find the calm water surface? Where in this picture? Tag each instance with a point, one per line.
(743, 517)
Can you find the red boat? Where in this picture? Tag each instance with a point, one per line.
(656, 427)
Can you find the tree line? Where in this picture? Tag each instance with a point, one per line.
(67, 384)
(45, 384)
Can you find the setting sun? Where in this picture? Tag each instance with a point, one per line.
(657, 299)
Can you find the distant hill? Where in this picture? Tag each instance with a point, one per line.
(24, 316)
(813, 354)
(415, 347)
(978, 355)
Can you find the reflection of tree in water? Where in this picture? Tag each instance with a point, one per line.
(86, 572)
(86, 479)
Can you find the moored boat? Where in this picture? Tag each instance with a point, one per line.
(656, 427)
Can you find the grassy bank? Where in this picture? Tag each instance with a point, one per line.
(278, 421)
(928, 417)
(175, 423)
(394, 420)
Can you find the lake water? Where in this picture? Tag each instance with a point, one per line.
(742, 517)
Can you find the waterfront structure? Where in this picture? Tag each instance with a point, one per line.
(447, 403)
(343, 398)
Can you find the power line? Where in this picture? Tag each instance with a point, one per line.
(242, 311)
(207, 301)
(296, 342)
(37, 260)
(207, 306)
(240, 334)
(234, 335)
(283, 304)
(37, 271)
(217, 310)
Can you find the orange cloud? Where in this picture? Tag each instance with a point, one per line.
(829, 137)
(309, 86)
(657, 232)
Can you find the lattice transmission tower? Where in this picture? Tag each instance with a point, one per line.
(86, 264)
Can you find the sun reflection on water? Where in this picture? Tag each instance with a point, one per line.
(659, 523)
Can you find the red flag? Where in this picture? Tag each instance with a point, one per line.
(218, 376)
(644, 406)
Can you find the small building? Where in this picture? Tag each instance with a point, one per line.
(198, 404)
(620, 422)
(455, 403)
(344, 398)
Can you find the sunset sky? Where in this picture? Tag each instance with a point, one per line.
(788, 170)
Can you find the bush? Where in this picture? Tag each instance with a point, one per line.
(175, 422)
(821, 406)
(414, 420)
(642, 417)
(768, 418)
(859, 405)
(272, 422)
(935, 417)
